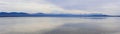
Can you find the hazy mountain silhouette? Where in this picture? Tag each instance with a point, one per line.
(22, 14)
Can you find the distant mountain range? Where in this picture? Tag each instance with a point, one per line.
(22, 14)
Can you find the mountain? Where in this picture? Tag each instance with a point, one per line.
(22, 14)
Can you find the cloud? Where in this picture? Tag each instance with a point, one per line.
(61, 6)
(33, 6)
(90, 5)
(28, 6)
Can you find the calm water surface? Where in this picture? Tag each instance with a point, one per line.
(60, 25)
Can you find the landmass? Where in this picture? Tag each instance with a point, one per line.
(22, 14)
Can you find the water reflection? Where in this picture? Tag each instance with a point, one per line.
(82, 28)
(78, 28)
(54, 25)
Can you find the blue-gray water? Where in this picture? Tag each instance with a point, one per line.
(60, 25)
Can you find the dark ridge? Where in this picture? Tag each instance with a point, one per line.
(22, 14)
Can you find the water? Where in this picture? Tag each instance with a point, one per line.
(59, 25)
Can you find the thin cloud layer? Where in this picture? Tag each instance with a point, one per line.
(100, 6)
(28, 6)
(61, 6)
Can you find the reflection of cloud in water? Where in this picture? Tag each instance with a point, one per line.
(83, 28)
(26, 25)
(30, 28)
(59, 26)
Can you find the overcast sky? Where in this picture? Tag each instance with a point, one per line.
(61, 6)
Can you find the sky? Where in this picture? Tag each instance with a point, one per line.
(111, 7)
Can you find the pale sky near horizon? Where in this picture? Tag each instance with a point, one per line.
(61, 6)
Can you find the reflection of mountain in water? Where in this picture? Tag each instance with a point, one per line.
(21, 14)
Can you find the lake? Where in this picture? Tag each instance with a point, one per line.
(60, 25)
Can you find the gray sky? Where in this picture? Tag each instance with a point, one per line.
(62, 6)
